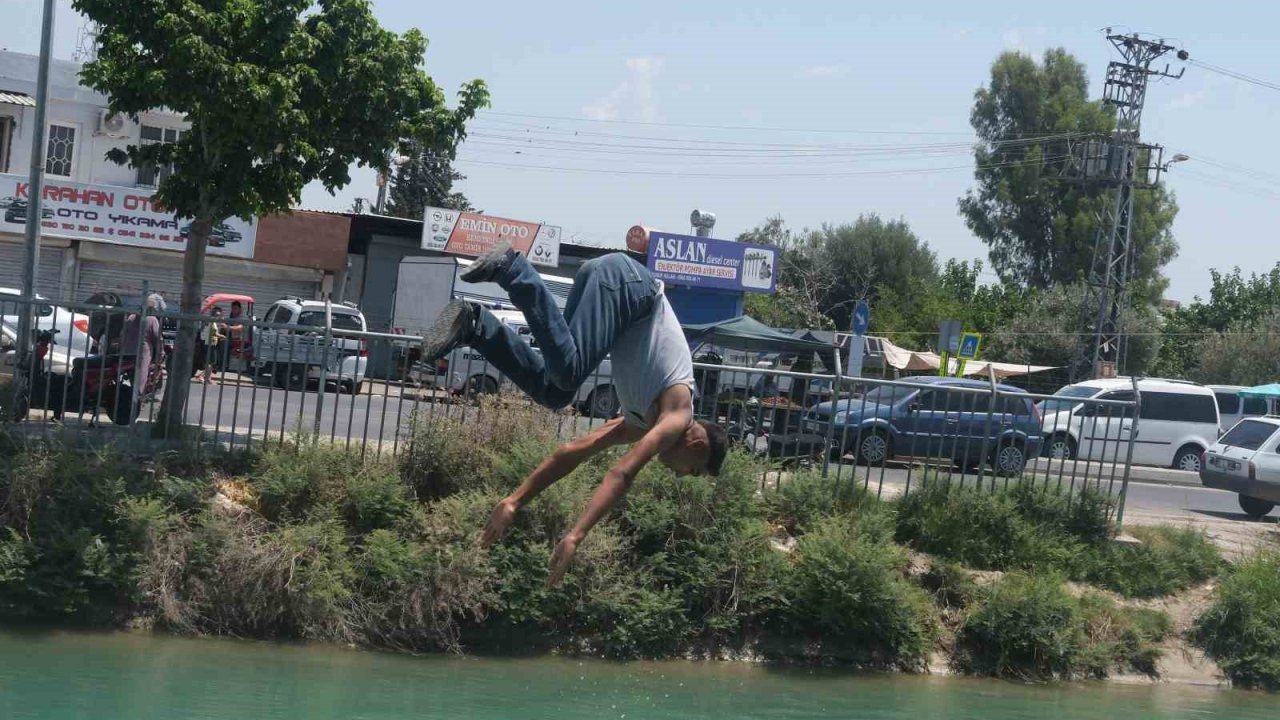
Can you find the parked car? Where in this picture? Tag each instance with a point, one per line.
(1246, 461)
(928, 418)
(221, 235)
(70, 340)
(1232, 408)
(1177, 423)
(465, 371)
(17, 212)
(294, 356)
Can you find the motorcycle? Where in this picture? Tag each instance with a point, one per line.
(34, 385)
(107, 382)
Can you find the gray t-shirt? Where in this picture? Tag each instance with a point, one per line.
(650, 357)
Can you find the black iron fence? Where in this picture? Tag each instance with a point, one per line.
(102, 372)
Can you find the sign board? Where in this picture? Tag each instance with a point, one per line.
(949, 336)
(713, 264)
(472, 235)
(969, 344)
(638, 239)
(113, 214)
(858, 342)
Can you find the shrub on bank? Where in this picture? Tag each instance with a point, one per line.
(1241, 630)
(848, 594)
(800, 502)
(1029, 627)
(1166, 560)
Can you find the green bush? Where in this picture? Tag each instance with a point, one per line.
(1022, 527)
(950, 584)
(1168, 559)
(74, 530)
(848, 592)
(797, 504)
(1028, 626)
(1241, 630)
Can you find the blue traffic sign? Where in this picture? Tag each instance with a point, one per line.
(969, 343)
(861, 319)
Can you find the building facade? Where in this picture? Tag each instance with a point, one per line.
(99, 229)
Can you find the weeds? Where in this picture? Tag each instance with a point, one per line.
(1241, 630)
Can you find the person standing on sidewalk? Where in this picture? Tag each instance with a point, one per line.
(616, 306)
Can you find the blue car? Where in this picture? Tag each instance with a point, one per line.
(929, 417)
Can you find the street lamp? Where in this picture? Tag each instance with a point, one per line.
(1179, 157)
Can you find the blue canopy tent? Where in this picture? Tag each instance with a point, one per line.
(1270, 391)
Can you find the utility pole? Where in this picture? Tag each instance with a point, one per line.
(31, 258)
(1114, 167)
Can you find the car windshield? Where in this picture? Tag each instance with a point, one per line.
(1048, 407)
(1248, 434)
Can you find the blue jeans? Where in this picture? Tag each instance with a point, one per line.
(610, 294)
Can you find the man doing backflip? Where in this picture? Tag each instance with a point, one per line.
(616, 306)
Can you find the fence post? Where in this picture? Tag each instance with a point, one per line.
(986, 435)
(1128, 460)
(835, 405)
(322, 390)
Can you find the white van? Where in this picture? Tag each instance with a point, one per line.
(1178, 421)
(1232, 408)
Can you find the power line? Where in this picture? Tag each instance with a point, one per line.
(742, 176)
(1235, 75)
(731, 128)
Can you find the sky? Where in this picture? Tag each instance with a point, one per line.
(607, 115)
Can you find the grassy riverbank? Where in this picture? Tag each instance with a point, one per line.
(309, 541)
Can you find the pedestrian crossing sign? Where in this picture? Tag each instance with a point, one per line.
(969, 344)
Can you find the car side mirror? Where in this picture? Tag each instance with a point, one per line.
(913, 407)
(1087, 411)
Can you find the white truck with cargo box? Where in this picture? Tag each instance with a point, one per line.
(424, 285)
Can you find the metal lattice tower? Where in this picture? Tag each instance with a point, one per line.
(1115, 166)
(86, 43)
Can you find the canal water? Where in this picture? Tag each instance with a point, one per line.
(123, 676)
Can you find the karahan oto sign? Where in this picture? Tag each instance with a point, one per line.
(109, 213)
(713, 264)
(473, 235)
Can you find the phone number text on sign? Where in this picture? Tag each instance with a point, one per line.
(685, 268)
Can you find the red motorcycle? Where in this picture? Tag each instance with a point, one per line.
(107, 382)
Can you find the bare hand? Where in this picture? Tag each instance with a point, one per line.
(499, 522)
(561, 559)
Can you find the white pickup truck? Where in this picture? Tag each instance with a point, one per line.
(465, 371)
(295, 357)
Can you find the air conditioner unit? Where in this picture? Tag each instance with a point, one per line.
(111, 124)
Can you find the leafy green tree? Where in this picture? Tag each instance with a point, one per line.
(1040, 229)
(1235, 303)
(278, 93)
(1247, 353)
(425, 179)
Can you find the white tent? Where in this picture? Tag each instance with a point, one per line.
(903, 359)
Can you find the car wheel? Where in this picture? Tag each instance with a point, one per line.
(1188, 458)
(1060, 447)
(874, 448)
(1009, 459)
(481, 385)
(603, 402)
(1255, 508)
(355, 388)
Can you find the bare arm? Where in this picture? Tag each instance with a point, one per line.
(674, 415)
(563, 461)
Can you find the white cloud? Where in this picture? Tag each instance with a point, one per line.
(633, 97)
(822, 71)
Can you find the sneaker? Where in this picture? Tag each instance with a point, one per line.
(455, 324)
(489, 267)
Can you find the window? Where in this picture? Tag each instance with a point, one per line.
(1248, 434)
(1255, 406)
(278, 314)
(60, 157)
(1114, 411)
(6, 133)
(1015, 406)
(1179, 407)
(1049, 407)
(153, 175)
(1228, 403)
(341, 321)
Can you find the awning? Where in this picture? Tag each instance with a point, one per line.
(903, 359)
(1261, 391)
(15, 98)
(746, 333)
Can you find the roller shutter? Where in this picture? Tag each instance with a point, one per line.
(49, 276)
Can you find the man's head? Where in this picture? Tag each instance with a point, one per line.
(236, 308)
(700, 451)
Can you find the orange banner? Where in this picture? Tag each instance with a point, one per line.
(472, 235)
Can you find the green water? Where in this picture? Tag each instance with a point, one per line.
(59, 676)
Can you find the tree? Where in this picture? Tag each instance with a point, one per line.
(1248, 353)
(425, 179)
(1235, 302)
(278, 93)
(1039, 228)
